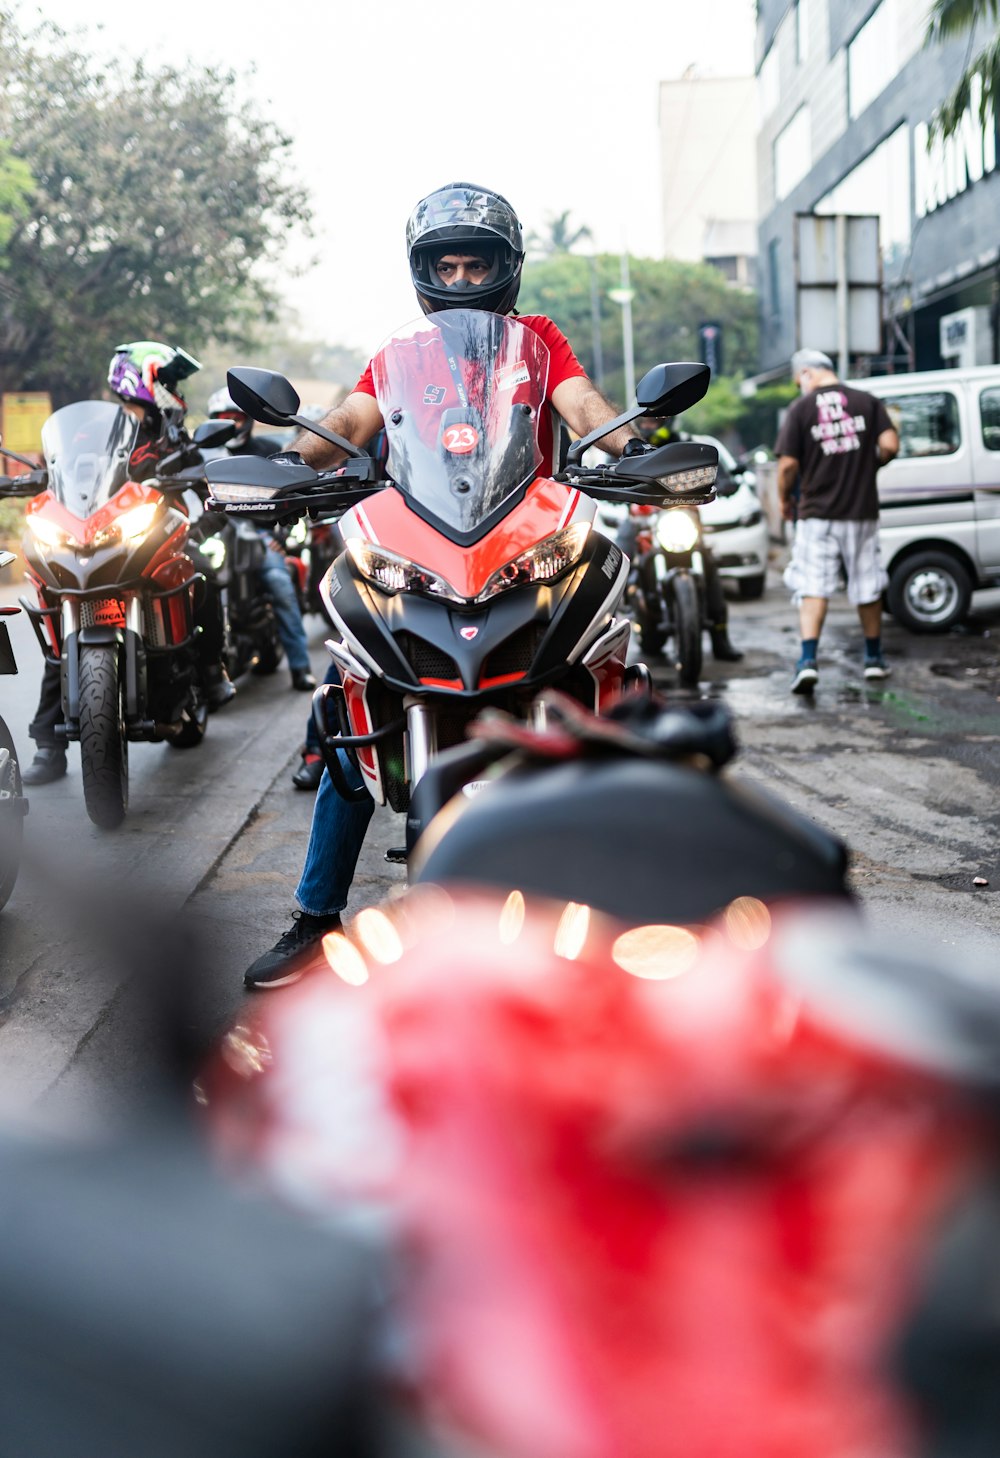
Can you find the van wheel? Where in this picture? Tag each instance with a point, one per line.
(929, 592)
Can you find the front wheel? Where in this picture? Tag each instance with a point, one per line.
(929, 592)
(103, 746)
(687, 628)
(11, 815)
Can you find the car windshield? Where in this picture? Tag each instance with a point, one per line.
(87, 449)
(461, 393)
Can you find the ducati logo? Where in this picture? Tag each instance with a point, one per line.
(469, 633)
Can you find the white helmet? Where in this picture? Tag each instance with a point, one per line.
(222, 406)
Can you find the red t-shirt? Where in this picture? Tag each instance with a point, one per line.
(563, 365)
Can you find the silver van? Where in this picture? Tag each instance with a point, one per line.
(940, 498)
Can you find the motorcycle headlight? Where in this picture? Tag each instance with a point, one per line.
(136, 523)
(397, 574)
(47, 534)
(540, 563)
(677, 531)
(213, 549)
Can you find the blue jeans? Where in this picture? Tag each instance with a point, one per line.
(336, 836)
(312, 737)
(281, 590)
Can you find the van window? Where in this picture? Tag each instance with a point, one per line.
(989, 411)
(927, 424)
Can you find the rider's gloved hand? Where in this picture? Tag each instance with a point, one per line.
(287, 458)
(636, 447)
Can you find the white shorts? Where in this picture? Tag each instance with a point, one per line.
(829, 555)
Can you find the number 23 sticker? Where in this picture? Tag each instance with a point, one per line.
(460, 439)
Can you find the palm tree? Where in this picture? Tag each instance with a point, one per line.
(559, 237)
(980, 80)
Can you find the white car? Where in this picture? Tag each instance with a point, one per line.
(734, 527)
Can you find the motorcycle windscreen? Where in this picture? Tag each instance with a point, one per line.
(87, 449)
(461, 393)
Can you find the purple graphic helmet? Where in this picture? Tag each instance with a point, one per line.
(149, 372)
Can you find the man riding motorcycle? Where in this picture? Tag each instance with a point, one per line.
(465, 251)
(277, 583)
(144, 376)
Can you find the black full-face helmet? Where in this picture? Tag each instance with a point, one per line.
(464, 218)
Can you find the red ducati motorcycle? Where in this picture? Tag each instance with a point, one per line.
(471, 577)
(115, 597)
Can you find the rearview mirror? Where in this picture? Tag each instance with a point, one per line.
(668, 389)
(214, 433)
(265, 396)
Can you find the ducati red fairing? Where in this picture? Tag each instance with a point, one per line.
(115, 590)
(659, 1191)
(474, 579)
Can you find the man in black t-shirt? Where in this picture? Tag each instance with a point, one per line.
(833, 441)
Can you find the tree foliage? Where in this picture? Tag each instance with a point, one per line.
(671, 300)
(156, 197)
(15, 193)
(979, 84)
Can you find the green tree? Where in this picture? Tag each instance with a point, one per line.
(156, 200)
(948, 20)
(671, 300)
(15, 193)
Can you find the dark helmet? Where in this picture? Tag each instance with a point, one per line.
(464, 218)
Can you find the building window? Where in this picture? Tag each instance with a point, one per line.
(872, 58)
(801, 31)
(768, 87)
(927, 424)
(792, 153)
(989, 413)
(879, 184)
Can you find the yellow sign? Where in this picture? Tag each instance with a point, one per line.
(23, 418)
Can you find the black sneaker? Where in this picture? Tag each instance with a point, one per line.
(292, 952)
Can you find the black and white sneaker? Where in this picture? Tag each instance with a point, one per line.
(806, 676)
(292, 953)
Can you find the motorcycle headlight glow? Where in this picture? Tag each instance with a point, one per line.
(540, 563)
(47, 534)
(695, 480)
(397, 574)
(677, 531)
(214, 550)
(137, 522)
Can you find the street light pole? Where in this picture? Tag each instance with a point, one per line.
(624, 296)
(595, 325)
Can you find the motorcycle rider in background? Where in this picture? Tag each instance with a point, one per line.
(144, 377)
(277, 583)
(465, 251)
(658, 433)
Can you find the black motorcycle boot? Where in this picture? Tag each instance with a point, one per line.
(302, 680)
(219, 688)
(291, 954)
(309, 772)
(723, 648)
(47, 765)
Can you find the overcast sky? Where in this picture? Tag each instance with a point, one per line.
(554, 104)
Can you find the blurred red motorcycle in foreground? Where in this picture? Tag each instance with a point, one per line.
(656, 1185)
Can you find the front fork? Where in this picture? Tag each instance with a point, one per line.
(130, 638)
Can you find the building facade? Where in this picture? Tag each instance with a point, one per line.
(707, 128)
(846, 93)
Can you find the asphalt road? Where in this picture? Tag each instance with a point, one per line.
(906, 772)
